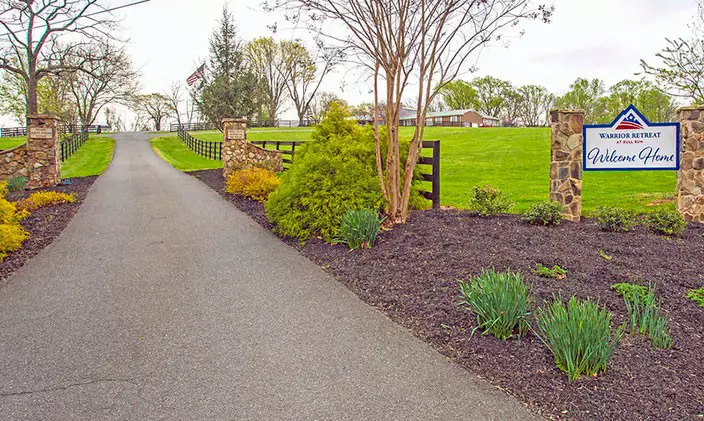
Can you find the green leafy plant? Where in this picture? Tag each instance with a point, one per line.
(488, 200)
(629, 291)
(665, 222)
(578, 334)
(615, 219)
(645, 317)
(556, 272)
(359, 228)
(545, 213)
(697, 295)
(501, 302)
(16, 184)
(605, 256)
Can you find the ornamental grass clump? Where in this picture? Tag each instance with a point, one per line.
(501, 301)
(44, 198)
(17, 184)
(12, 235)
(545, 213)
(489, 200)
(578, 334)
(359, 228)
(253, 183)
(644, 315)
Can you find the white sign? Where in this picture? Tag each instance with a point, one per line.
(41, 132)
(235, 134)
(632, 143)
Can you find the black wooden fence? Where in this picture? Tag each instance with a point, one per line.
(213, 150)
(71, 143)
(210, 150)
(63, 129)
(194, 127)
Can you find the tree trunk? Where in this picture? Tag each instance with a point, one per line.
(32, 102)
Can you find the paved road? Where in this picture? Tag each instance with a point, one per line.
(162, 301)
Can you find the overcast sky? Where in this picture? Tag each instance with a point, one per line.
(589, 38)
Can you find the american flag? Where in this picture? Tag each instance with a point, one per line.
(198, 74)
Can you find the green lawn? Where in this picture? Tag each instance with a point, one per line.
(516, 160)
(172, 150)
(11, 142)
(91, 159)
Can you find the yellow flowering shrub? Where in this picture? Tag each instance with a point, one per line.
(12, 235)
(253, 183)
(44, 198)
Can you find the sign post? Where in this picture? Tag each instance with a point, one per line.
(631, 142)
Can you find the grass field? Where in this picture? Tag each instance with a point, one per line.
(516, 160)
(92, 158)
(11, 142)
(172, 150)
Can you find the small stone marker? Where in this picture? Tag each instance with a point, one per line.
(43, 153)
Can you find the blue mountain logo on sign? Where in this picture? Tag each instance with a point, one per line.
(631, 142)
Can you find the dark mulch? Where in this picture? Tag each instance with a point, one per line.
(44, 224)
(411, 275)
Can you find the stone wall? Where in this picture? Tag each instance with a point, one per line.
(39, 159)
(690, 178)
(238, 154)
(566, 161)
(13, 163)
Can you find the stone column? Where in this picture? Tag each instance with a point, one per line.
(566, 161)
(43, 153)
(690, 178)
(234, 145)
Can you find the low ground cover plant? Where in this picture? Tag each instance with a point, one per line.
(644, 315)
(697, 295)
(615, 219)
(16, 184)
(44, 198)
(253, 183)
(489, 200)
(360, 227)
(501, 301)
(555, 272)
(578, 334)
(665, 222)
(12, 235)
(545, 213)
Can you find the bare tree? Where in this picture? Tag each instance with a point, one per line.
(175, 96)
(154, 107)
(268, 62)
(31, 46)
(681, 71)
(115, 121)
(535, 102)
(321, 105)
(106, 77)
(427, 43)
(304, 74)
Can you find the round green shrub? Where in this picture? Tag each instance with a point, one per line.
(666, 222)
(545, 213)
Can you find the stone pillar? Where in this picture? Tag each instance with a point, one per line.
(234, 144)
(238, 154)
(566, 161)
(43, 153)
(690, 177)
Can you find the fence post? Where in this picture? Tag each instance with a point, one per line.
(436, 175)
(566, 161)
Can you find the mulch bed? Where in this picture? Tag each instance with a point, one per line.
(411, 276)
(44, 224)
